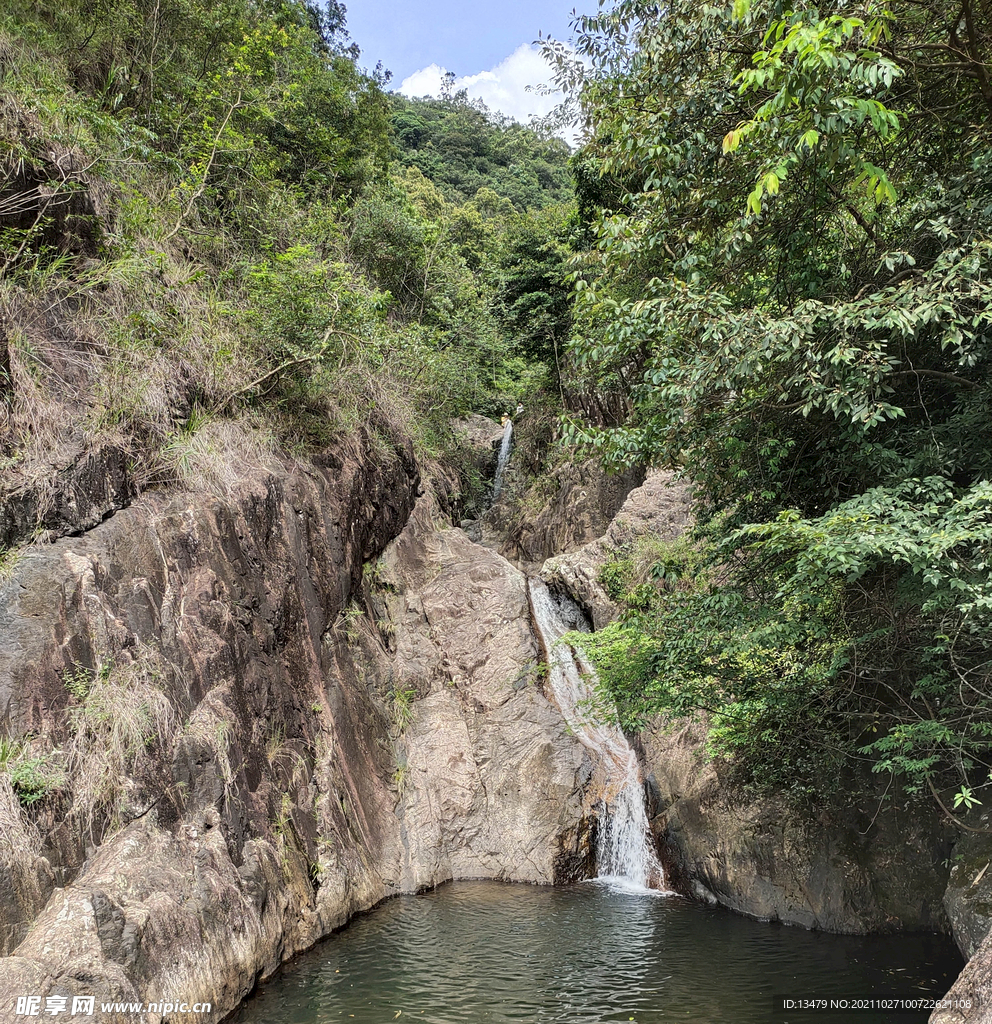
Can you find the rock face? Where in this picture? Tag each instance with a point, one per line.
(483, 435)
(968, 899)
(658, 508)
(77, 497)
(490, 784)
(480, 439)
(324, 740)
(253, 716)
(851, 871)
(194, 861)
(572, 506)
(968, 902)
(969, 1000)
(26, 877)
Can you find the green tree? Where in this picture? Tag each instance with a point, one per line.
(462, 146)
(791, 296)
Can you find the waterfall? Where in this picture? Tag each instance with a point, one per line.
(504, 458)
(625, 851)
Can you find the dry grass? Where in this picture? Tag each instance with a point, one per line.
(209, 725)
(124, 714)
(159, 346)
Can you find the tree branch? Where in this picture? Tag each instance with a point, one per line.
(206, 170)
(957, 821)
(952, 377)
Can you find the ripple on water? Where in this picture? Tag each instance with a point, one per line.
(490, 953)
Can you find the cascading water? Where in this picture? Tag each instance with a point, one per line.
(625, 852)
(504, 458)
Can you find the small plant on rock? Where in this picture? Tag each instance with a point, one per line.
(401, 700)
(32, 776)
(401, 778)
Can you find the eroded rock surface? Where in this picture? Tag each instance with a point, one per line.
(70, 499)
(330, 734)
(337, 730)
(659, 508)
(490, 784)
(570, 507)
(970, 997)
(196, 861)
(856, 870)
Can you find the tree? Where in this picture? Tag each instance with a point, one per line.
(792, 295)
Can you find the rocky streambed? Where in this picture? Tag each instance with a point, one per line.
(276, 705)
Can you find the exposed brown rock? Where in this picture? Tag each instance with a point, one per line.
(88, 488)
(274, 807)
(571, 506)
(659, 508)
(252, 828)
(339, 734)
(848, 870)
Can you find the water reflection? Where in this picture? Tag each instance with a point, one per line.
(585, 954)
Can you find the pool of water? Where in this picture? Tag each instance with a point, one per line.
(583, 954)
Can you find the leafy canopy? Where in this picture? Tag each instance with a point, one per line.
(787, 288)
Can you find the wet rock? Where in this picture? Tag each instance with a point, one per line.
(482, 436)
(851, 871)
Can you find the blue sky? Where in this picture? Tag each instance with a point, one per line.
(486, 44)
(465, 37)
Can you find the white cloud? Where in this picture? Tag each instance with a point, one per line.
(504, 88)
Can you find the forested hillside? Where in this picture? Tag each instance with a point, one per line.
(788, 284)
(770, 259)
(210, 217)
(462, 147)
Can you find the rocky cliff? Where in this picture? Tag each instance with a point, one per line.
(231, 734)
(239, 718)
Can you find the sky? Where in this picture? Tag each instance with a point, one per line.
(486, 44)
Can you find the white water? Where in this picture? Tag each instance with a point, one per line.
(625, 852)
(504, 458)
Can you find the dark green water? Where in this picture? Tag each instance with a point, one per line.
(584, 954)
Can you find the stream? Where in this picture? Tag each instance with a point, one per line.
(490, 952)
